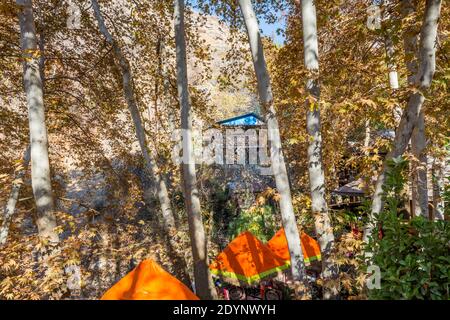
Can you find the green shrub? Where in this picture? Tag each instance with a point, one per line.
(260, 221)
(446, 198)
(413, 256)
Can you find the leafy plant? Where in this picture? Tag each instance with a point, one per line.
(446, 198)
(259, 220)
(413, 256)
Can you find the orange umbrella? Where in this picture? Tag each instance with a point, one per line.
(310, 247)
(247, 259)
(148, 281)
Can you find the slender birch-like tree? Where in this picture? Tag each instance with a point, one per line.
(130, 98)
(330, 271)
(40, 164)
(276, 155)
(204, 287)
(419, 188)
(411, 114)
(14, 196)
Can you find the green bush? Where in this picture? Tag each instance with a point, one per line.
(413, 256)
(260, 221)
(446, 197)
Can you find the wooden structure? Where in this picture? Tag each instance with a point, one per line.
(246, 167)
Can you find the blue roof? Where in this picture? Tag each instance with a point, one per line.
(249, 119)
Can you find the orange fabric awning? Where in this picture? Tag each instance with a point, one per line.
(310, 247)
(148, 281)
(247, 259)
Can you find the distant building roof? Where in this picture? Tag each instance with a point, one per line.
(249, 119)
(352, 189)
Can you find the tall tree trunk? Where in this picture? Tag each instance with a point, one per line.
(203, 281)
(423, 78)
(276, 155)
(419, 190)
(40, 165)
(418, 145)
(330, 271)
(14, 196)
(130, 98)
(438, 176)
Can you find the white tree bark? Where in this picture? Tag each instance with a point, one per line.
(330, 271)
(277, 159)
(40, 165)
(130, 98)
(203, 281)
(438, 176)
(419, 192)
(423, 78)
(419, 188)
(14, 196)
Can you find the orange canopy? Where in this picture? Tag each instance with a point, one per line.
(310, 247)
(247, 259)
(148, 281)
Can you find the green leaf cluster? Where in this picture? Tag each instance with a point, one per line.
(260, 221)
(413, 255)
